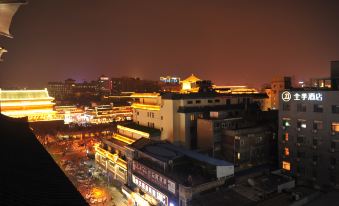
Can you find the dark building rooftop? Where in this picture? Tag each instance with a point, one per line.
(183, 163)
(29, 175)
(223, 196)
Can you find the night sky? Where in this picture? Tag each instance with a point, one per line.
(228, 42)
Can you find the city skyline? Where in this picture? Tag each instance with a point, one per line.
(57, 40)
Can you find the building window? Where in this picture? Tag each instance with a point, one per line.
(317, 125)
(286, 122)
(192, 117)
(333, 144)
(189, 102)
(335, 109)
(333, 161)
(286, 165)
(137, 113)
(300, 139)
(210, 101)
(335, 127)
(333, 178)
(150, 124)
(197, 101)
(318, 108)
(301, 107)
(286, 106)
(315, 142)
(285, 136)
(162, 117)
(301, 123)
(217, 100)
(286, 151)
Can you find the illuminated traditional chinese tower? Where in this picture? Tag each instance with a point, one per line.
(37, 105)
(190, 83)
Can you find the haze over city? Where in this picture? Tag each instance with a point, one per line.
(169, 103)
(80, 39)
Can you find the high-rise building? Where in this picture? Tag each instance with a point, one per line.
(61, 90)
(309, 134)
(105, 85)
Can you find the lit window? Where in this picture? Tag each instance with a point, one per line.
(286, 136)
(301, 123)
(286, 166)
(238, 155)
(286, 122)
(286, 151)
(335, 127)
(192, 117)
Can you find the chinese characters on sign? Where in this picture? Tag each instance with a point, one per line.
(154, 177)
(150, 190)
(303, 96)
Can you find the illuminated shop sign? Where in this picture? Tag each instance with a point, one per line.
(302, 96)
(150, 190)
(154, 177)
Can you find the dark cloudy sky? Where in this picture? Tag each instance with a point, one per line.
(228, 42)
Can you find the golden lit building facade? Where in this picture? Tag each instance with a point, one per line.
(36, 105)
(190, 84)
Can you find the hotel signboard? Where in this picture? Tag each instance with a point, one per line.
(287, 96)
(150, 190)
(154, 177)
